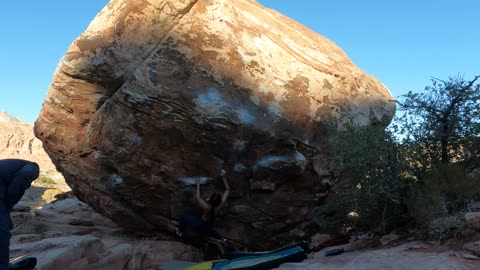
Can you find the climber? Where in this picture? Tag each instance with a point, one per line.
(204, 224)
(16, 176)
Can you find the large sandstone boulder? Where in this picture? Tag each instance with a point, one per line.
(156, 92)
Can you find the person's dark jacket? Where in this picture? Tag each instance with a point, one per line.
(16, 176)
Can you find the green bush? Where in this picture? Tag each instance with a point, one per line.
(45, 180)
(445, 190)
(370, 190)
(448, 227)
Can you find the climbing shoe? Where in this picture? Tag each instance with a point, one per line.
(178, 232)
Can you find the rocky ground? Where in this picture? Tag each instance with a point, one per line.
(413, 255)
(68, 234)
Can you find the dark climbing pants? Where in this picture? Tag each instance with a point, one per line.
(16, 176)
(197, 224)
(194, 222)
(4, 252)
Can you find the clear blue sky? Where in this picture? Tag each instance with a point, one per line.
(401, 43)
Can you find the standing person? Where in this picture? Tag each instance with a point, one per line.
(16, 176)
(206, 222)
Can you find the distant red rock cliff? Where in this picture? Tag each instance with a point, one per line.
(18, 141)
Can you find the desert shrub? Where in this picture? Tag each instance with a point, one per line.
(448, 227)
(370, 190)
(45, 180)
(445, 190)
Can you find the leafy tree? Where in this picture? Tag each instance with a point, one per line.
(438, 128)
(369, 190)
(444, 120)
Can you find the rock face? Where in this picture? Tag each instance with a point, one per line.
(154, 93)
(18, 141)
